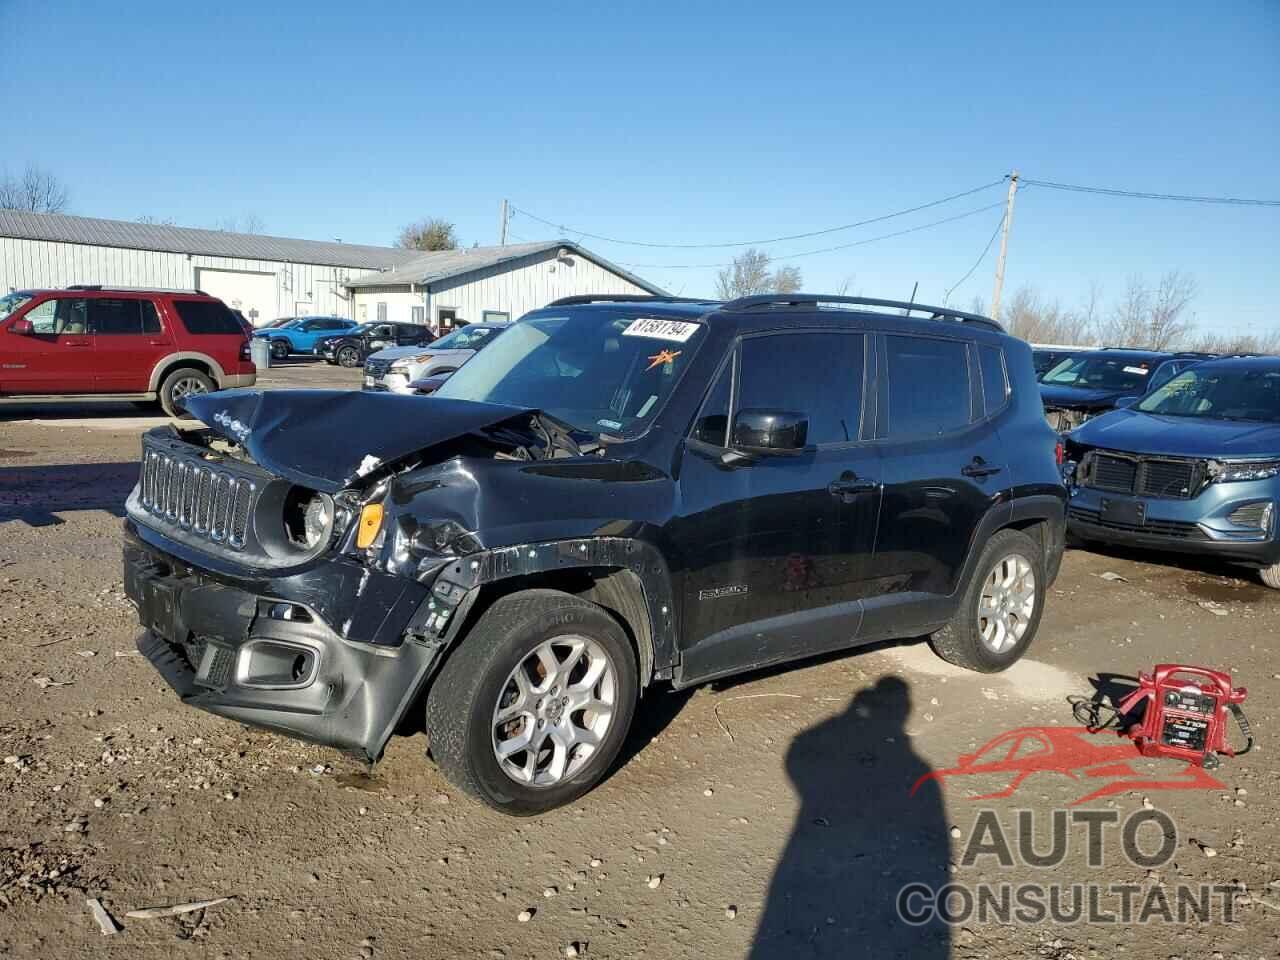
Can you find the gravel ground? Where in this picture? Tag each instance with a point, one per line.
(765, 817)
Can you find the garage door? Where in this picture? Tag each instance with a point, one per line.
(253, 294)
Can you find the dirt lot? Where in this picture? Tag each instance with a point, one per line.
(773, 812)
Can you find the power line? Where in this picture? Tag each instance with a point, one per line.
(812, 253)
(1105, 191)
(753, 243)
(982, 256)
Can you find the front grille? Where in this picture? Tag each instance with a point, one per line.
(1166, 478)
(377, 368)
(1174, 529)
(1114, 473)
(197, 496)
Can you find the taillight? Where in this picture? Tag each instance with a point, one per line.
(1059, 452)
(244, 351)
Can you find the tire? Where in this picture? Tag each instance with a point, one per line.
(279, 349)
(989, 644)
(348, 357)
(1271, 576)
(183, 382)
(481, 675)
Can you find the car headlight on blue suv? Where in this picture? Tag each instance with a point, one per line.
(1225, 471)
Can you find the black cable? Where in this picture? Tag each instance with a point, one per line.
(783, 258)
(1105, 191)
(982, 256)
(755, 243)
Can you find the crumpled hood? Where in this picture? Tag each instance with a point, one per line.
(328, 439)
(1083, 397)
(1136, 432)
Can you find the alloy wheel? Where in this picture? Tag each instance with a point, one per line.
(348, 357)
(554, 710)
(1007, 603)
(185, 387)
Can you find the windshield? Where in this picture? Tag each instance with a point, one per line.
(601, 371)
(1101, 373)
(1224, 393)
(13, 302)
(464, 338)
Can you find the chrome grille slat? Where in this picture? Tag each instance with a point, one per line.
(199, 497)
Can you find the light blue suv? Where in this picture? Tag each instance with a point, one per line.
(1192, 467)
(301, 334)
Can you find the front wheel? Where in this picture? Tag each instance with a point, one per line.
(349, 357)
(1000, 611)
(279, 350)
(531, 709)
(1271, 576)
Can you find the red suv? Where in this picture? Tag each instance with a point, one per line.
(120, 344)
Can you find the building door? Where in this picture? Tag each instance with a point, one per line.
(446, 319)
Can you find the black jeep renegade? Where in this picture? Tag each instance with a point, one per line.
(616, 492)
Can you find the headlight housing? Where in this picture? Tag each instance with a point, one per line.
(308, 518)
(1226, 471)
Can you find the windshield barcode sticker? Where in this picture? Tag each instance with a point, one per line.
(656, 329)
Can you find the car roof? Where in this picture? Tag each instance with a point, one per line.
(1265, 363)
(1133, 352)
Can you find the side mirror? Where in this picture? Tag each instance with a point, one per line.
(22, 327)
(770, 431)
(1126, 402)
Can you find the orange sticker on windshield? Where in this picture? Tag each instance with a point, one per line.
(663, 356)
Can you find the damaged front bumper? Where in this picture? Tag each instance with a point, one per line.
(331, 655)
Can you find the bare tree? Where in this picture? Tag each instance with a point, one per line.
(1035, 320)
(430, 234)
(37, 191)
(1127, 324)
(1166, 320)
(750, 274)
(157, 221)
(1267, 343)
(249, 223)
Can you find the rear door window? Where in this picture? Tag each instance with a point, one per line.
(819, 375)
(929, 389)
(204, 317)
(116, 317)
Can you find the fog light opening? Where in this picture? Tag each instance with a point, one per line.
(300, 667)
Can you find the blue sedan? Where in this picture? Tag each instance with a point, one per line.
(301, 334)
(1193, 467)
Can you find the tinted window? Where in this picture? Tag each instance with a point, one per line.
(713, 421)
(817, 374)
(995, 387)
(72, 316)
(207, 317)
(928, 386)
(1103, 372)
(116, 317)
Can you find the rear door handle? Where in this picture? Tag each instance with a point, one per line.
(79, 343)
(979, 468)
(158, 343)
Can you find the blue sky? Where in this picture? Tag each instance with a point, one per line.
(683, 123)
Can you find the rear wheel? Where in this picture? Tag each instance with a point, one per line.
(532, 708)
(279, 350)
(1000, 611)
(178, 386)
(349, 357)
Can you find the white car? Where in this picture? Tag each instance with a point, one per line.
(394, 369)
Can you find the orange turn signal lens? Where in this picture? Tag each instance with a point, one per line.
(370, 524)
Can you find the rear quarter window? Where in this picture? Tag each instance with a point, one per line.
(205, 317)
(995, 382)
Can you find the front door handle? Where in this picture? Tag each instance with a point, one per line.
(79, 343)
(849, 486)
(979, 468)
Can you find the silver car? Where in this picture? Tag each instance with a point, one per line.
(394, 369)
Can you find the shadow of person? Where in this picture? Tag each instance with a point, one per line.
(858, 840)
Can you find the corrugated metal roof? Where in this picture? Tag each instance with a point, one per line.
(59, 228)
(438, 265)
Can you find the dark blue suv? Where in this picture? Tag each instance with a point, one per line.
(615, 492)
(1193, 467)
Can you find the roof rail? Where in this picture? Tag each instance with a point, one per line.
(122, 289)
(623, 298)
(809, 300)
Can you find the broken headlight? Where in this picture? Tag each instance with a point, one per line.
(308, 517)
(1225, 471)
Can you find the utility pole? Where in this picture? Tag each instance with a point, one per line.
(502, 232)
(1004, 247)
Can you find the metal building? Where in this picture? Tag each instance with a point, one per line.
(268, 277)
(486, 284)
